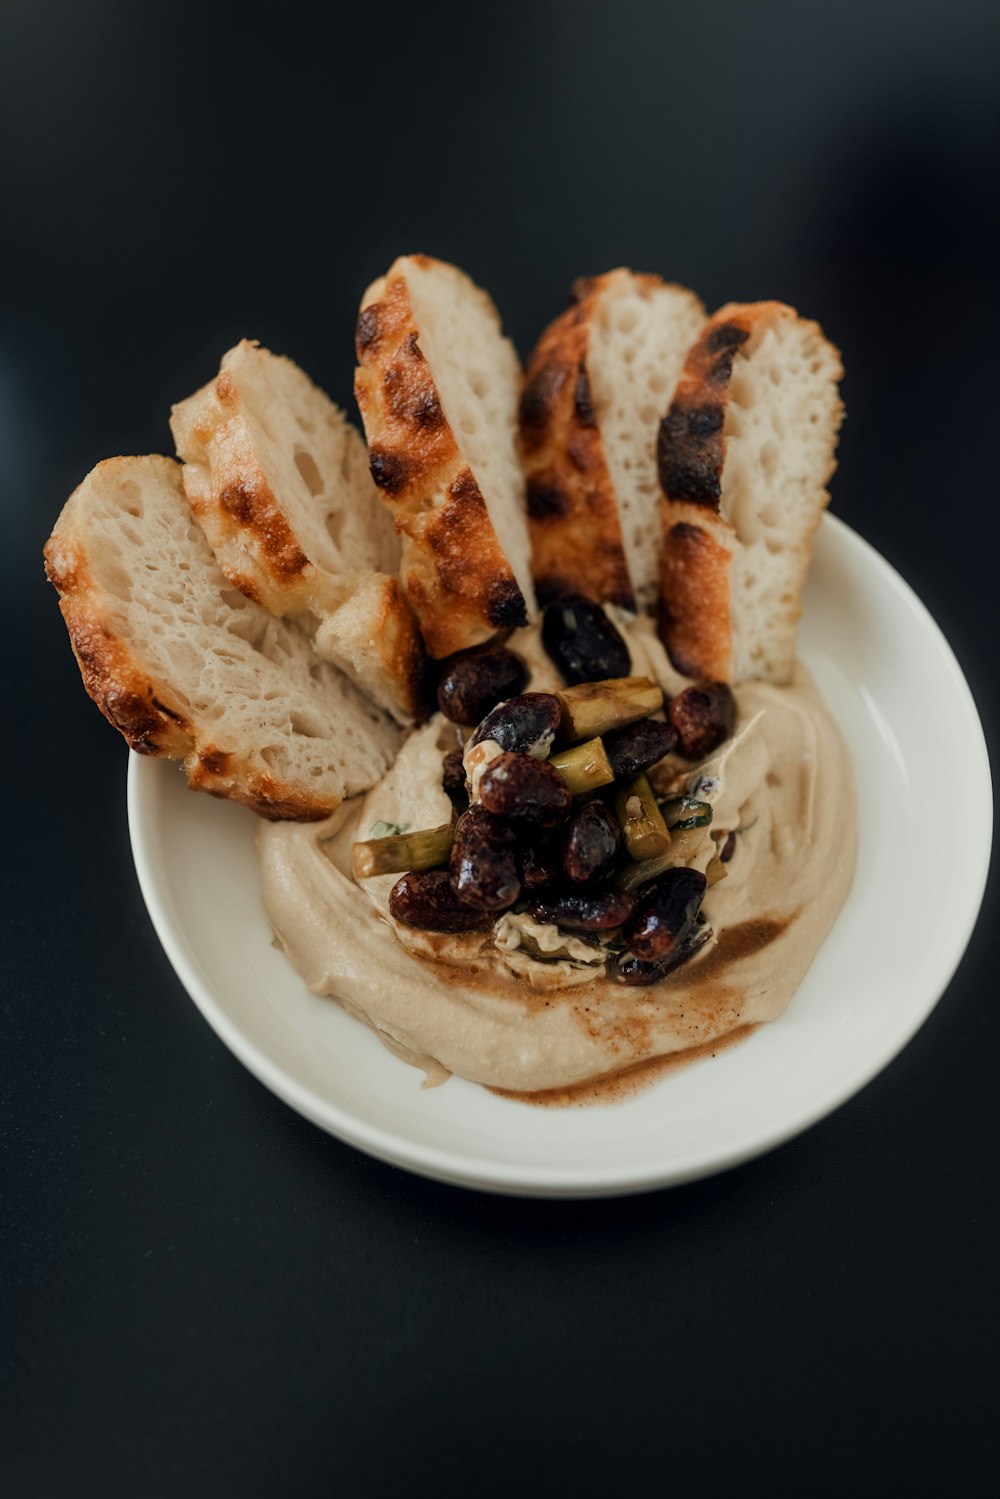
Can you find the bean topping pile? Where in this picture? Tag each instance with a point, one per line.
(553, 812)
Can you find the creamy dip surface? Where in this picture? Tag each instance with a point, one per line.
(523, 1008)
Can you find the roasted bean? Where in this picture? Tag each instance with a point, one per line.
(427, 900)
(635, 971)
(453, 780)
(582, 642)
(592, 844)
(665, 912)
(483, 866)
(473, 682)
(728, 848)
(521, 786)
(584, 910)
(525, 725)
(638, 746)
(703, 717)
(541, 859)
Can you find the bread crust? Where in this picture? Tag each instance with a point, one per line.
(236, 508)
(576, 537)
(144, 710)
(695, 614)
(261, 555)
(455, 572)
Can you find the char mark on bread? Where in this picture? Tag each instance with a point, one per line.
(252, 504)
(583, 404)
(390, 471)
(546, 496)
(542, 385)
(743, 454)
(366, 333)
(689, 453)
(690, 448)
(505, 605)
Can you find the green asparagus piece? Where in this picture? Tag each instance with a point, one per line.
(402, 853)
(646, 834)
(634, 873)
(598, 707)
(584, 768)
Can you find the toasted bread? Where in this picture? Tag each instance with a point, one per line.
(187, 666)
(279, 481)
(594, 390)
(437, 384)
(745, 452)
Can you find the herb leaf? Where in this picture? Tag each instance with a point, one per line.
(382, 829)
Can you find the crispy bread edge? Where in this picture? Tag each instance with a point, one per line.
(136, 704)
(455, 573)
(256, 547)
(695, 615)
(576, 538)
(232, 500)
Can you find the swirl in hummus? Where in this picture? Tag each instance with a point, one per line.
(524, 1008)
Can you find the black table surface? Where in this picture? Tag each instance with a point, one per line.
(202, 1293)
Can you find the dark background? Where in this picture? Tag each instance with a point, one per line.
(201, 1293)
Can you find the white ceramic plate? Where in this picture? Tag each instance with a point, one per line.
(897, 692)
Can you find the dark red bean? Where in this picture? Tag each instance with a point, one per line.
(665, 912)
(728, 848)
(453, 780)
(582, 642)
(427, 901)
(638, 746)
(541, 860)
(525, 725)
(584, 910)
(592, 844)
(703, 716)
(521, 786)
(483, 867)
(632, 970)
(473, 682)
(635, 971)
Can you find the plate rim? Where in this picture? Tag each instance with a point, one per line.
(579, 1181)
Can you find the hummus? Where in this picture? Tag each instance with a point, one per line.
(523, 1008)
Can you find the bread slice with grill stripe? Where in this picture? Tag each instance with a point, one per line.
(185, 665)
(278, 479)
(594, 391)
(745, 453)
(437, 384)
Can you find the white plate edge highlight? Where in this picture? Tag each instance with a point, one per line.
(458, 1168)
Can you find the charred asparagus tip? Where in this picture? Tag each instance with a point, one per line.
(403, 853)
(598, 707)
(646, 834)
(584, 768)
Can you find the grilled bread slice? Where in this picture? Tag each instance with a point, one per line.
(186, 665)
(279, 481)
(745, 452)
(437, 384)
(595, 388)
